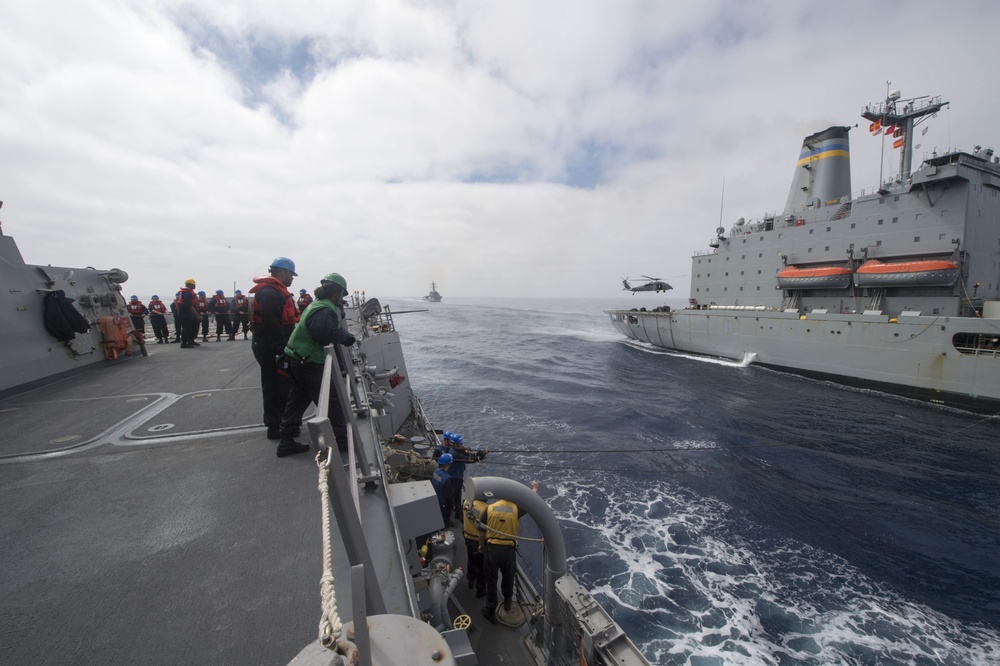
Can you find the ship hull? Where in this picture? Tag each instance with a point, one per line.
(911, 356)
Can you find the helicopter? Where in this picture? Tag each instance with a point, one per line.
(654, 284)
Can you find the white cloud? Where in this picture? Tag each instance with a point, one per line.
(504, 148)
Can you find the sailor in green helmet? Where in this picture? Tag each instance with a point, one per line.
(320, 325)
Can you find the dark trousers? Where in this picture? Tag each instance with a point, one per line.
(189, 330)
(138, 324)
(273, 385)
(477, 565)
(178, 327)
(204, 325)
(456, 500)
(240, 319)
(222, 324)
(306, 380)
(500, 561)
(159, 323)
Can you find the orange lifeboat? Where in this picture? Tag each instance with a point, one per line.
(924, 273)
(820, 277)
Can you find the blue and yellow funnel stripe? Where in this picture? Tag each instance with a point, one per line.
(831, 149)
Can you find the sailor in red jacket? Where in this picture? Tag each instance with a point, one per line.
(304, 300)
(136, 310)
(157, 310)
(188, 311)
(201, 305)
(274, 319)
(219, 306)
(241, 313)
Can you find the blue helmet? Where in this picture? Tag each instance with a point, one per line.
(133, 298)
(201, 293)
(458, 439)
(302, 291)
(219, 292)
(284, 262)
(446, 435)
(445, 459)
(155, 297)
(238, 292)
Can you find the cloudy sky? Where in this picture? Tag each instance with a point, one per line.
(505, 148)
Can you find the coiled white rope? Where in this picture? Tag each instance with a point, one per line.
(330, 626)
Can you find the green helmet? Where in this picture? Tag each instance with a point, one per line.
(336, 278)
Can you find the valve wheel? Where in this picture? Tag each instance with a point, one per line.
(462, 622)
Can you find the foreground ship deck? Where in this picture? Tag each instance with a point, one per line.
(145, 522)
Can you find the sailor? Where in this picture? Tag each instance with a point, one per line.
(175, 310)
(136, 310)
(474, 556)
(157, 310)
(304, 300)
(219, 306)
(241, 307)
(320, 325)
(460, 456)
(274, 319)
(443, 484)
(187, 312)
(498, 543)
(201, 305)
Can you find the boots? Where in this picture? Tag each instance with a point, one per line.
(490, 614)
(289, 446)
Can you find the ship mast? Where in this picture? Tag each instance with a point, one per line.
(903, 115)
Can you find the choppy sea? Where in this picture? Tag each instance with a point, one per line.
(727, 514)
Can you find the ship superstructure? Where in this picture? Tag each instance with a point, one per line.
(896, 287)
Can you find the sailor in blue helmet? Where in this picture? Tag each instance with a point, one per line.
(304, 300)
(443, 484)
(201, 305)
(136, 310)
(459, 456)
(157, 310)
(241, 313)
(274, 317)
(219, 306)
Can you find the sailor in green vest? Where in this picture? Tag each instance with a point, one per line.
(320, 325)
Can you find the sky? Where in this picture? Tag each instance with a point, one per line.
(498, 149)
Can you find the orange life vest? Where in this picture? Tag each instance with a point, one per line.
(157, 307)
(135, 308)
(288, 315)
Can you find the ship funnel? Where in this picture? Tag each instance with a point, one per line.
(823, 171)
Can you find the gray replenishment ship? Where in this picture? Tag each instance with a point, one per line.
(894, 289)
(147, 520)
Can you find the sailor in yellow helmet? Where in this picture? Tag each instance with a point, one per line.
(498, 544)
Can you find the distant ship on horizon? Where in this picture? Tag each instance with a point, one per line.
(897, 288)
(434, 296)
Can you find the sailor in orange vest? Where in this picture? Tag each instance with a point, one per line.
(220, 308)
(188, 312)
(274, 319)
(136, 310)
(241, 309)
(201, 305)
(304, 300)
(157, 310)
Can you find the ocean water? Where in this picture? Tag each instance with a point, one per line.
(727, 514)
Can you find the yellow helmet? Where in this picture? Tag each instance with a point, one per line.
(189, 281)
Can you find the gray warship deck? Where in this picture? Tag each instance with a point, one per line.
(147, 520)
